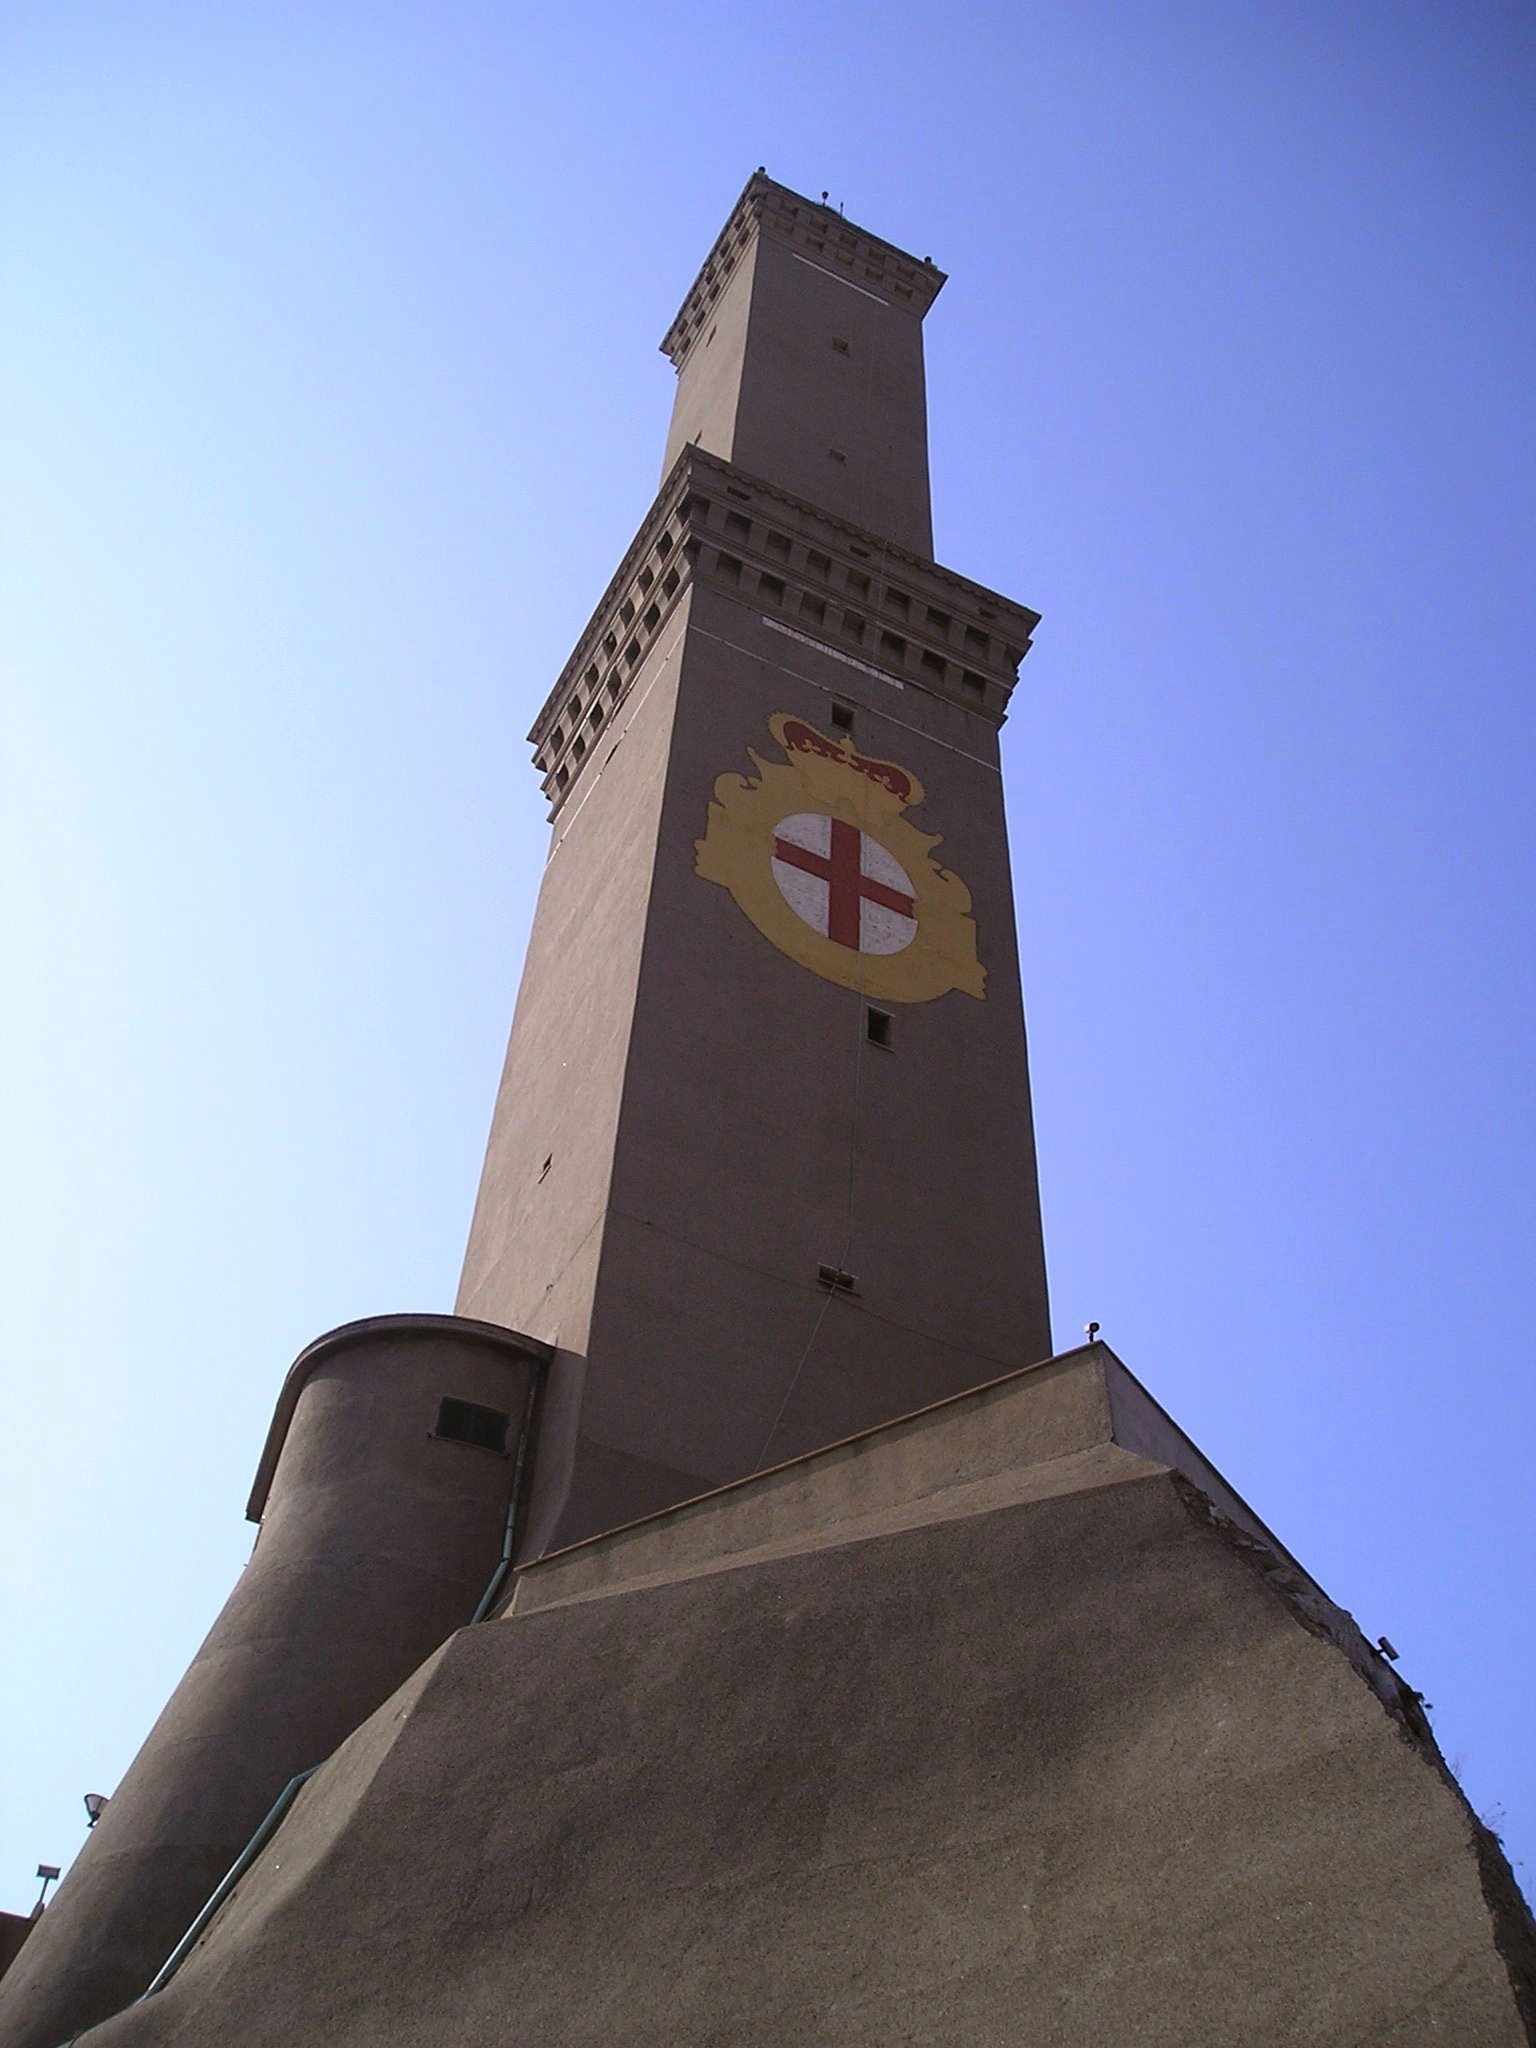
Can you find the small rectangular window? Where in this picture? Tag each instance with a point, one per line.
(940, 621)
(466, 1422)
(898, 602)
(737, 525)
(818, 563)
(840, 344)
(977, 640)
(877, 1027)
(770, 587)
(835, 1280)
(729, 568)
(778, 544)
(853, 625)
(842, 718)
(934, 664)
(976, 684)
(893, 644)
(837, 455)
(858, 583)
(812, 608)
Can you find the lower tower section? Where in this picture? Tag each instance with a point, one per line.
(762, 1165)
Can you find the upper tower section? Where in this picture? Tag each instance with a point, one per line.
(799, 354)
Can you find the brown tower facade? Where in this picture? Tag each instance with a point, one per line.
(989, 1711)
(762, 1166)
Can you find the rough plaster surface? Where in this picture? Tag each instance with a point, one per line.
(1071, 1771)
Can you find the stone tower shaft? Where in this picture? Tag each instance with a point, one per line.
(761, 1167)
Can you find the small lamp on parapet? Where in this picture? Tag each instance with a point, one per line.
(95, 1803)
(48, 1872)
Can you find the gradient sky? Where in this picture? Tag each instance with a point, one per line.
(332, 400)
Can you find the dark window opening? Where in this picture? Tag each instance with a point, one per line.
(933, 663)
(892, 643)
(737, 526)
(974, 682)
(595, 715)
(853, 625)
(652, 618)
(839, 344)
(817, 562)
(858, 582)
(842, 718)
(877, 1027)
(974, 637)
(812, 608)
(837, 455)
(735, 491)
(770, 587)
(580, 746)
(729, 568)
(835, 1280)
(778, 544)
(548, 1163)
(466, 1422)
(940, 621)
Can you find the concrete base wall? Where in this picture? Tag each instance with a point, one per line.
(1042, 1748)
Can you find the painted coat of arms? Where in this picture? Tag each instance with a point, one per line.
(817, 853)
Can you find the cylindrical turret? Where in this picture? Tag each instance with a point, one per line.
(386, 1494)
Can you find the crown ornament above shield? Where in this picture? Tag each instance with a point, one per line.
(818, 854)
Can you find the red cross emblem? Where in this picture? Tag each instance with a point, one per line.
(843, 883)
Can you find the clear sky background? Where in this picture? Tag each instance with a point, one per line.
(332, 400)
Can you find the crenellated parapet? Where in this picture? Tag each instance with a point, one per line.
(862, 598)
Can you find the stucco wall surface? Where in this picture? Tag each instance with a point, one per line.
(1067, 1772)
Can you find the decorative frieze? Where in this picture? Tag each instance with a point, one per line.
(818, 579)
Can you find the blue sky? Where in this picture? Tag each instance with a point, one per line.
(331, 401)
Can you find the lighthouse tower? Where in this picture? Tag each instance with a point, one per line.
(733, 1625)
(762, 1165)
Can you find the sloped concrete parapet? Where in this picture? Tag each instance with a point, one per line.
(1044, 1744)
